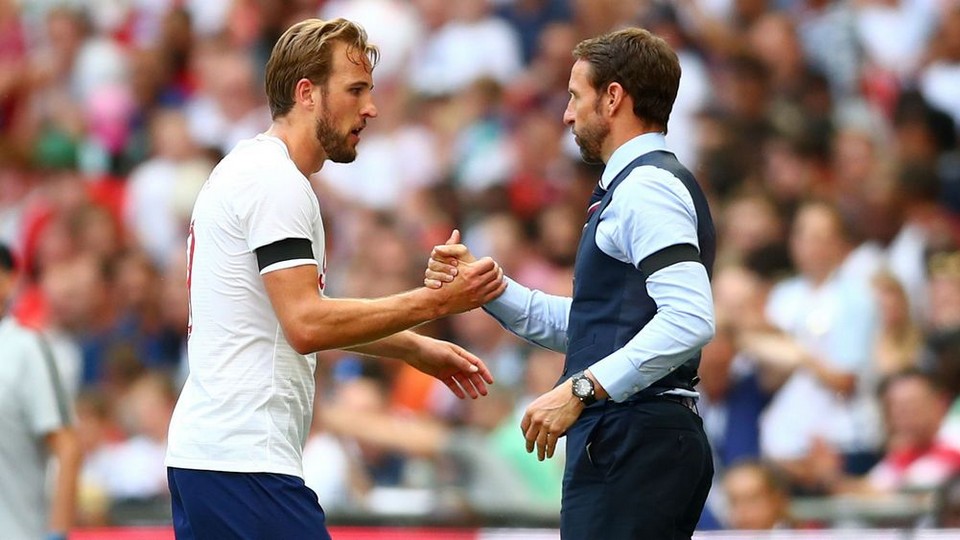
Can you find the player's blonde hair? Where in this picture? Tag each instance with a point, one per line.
(304, 51)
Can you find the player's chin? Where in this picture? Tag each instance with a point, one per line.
(346, 154)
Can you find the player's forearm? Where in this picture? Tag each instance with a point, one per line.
(400, 345)
(66, 448)
(347, 323)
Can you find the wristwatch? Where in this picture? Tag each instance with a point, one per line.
(583, 389)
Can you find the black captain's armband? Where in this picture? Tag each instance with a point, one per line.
(668, 256)
(288, 249)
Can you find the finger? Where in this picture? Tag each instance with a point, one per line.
(454, 387)
(483, 266)
(542, 443)
(552, 444)
(531, 436)
(449, 251)
(477, 381)
(444, 266)
(481, 368)
(525, 423)
(442, 277)
(454, 237)
(463, 380)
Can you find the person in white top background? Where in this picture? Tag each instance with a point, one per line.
(37, 423)
(255, 276)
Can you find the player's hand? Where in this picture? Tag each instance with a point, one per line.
(444, 259)
(462, 372)
(548, 418)
(476, 284)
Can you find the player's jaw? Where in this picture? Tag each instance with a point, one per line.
(340, 146)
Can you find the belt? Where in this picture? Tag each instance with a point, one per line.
(686, 401)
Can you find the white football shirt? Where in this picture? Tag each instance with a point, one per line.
(247, 403)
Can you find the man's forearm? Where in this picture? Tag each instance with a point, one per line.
(400, 346)
(533, 315)
(66, 448)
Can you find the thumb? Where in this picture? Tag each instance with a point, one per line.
(454, 237)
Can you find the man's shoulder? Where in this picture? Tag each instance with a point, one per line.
(258, 153)
(256, 168)
(18, 341)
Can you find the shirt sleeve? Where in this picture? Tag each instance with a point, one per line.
(533, 315)
(276, 209)
(652, 210)
(45, 402)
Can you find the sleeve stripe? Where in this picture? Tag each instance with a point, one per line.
(287, 264)
(61, 395)
(283, 250)
(668, 256)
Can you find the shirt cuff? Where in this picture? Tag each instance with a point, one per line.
(509, 306)
(617, 376)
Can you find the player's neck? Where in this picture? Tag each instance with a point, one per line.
(301, 141)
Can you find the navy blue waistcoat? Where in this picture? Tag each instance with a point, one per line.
(610, 301)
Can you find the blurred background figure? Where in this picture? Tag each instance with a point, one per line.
(37, 419)
(829, 151)
(757, 496)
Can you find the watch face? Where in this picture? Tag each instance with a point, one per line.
(582, 387)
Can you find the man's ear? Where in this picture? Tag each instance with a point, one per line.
(303, 93)
(613, 98)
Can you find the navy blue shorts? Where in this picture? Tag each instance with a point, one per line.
(249, 506)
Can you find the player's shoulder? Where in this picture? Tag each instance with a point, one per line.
(255, 167)
(250, 158)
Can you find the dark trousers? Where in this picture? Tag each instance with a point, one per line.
(243, 506)
(635, 471)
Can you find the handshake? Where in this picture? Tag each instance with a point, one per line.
(459, 280)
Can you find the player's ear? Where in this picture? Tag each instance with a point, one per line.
(303, 93)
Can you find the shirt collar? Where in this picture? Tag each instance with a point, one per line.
(629, 151)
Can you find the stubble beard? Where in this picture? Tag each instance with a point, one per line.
(590, 138)
(334, 144)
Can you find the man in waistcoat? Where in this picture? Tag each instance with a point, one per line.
(638, 461)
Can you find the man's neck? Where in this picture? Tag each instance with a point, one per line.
(301, 142)
(623, 133)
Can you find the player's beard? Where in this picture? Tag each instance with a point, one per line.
(334, 144)
(590, 136)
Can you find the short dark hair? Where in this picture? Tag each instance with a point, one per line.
(7, 262)
(641, 62)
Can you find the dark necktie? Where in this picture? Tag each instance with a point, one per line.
(595, 198)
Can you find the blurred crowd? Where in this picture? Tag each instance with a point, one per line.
(825, 133)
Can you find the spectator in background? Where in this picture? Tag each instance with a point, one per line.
(899, 342)
(36, 419)
(161, 190)
(136, 469)
(826, 328)
(940, 77)
(758, 497)
(489, 473)
(916, 456)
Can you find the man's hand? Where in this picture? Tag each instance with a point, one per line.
(476, 284)
(549, 417)
(461, 371)
(444, 260)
